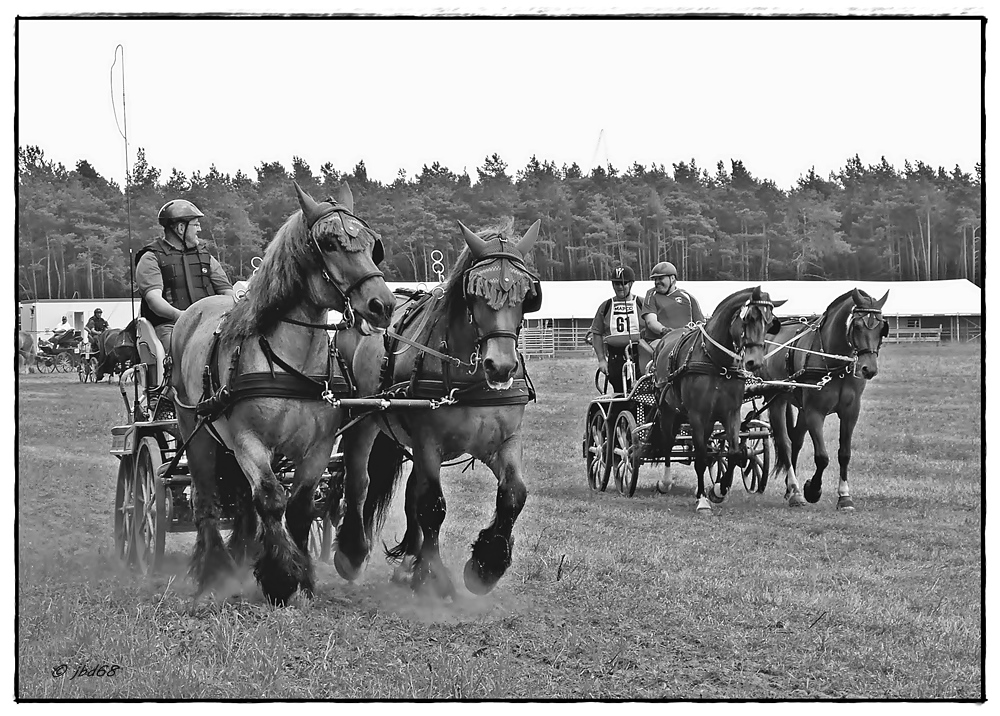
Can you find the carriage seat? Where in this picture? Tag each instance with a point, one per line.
(151, 353)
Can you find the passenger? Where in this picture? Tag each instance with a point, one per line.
(617, 324)
(96, 325)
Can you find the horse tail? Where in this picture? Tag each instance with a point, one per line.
(385, 465)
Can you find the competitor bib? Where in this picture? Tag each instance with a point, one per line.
(624, 323)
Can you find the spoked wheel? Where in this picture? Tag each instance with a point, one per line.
(150, 507)
(84, 369)
(64, 362)
(758, 451)
(596, 451)
(624, 460)
(124, 517)
(45, 364)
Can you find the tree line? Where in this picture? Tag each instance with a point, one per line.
(873, 222)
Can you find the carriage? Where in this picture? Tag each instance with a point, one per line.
(618, 437)
(59, 354)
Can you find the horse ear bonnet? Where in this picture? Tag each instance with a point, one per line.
(354, 226)
(533, 301)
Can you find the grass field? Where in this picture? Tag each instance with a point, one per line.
(607, 598)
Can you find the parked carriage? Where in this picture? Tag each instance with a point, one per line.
(59, 354)
(617, 442)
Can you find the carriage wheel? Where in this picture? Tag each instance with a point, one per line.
(150, 507)
(124, 518)
(624, 460)
(92, 368)
(64, 362)
(83, 370)
(44, 364)
(758, 452)
(596, 451)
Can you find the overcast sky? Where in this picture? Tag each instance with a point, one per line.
(782, 95)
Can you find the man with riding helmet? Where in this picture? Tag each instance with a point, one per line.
(96, 325)
(665, 306)
(175, 271)
(616, 325)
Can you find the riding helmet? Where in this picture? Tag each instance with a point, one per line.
(178, 210)
(664, 268)
(623, 274)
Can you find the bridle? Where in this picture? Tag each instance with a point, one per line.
(377, 254)
(866, 313)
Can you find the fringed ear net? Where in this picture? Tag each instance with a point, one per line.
(488, 288)
(332, 225)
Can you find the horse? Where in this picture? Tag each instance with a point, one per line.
(701, 375)
(840, 352)
(116, 351)
(475, 313)
(26, 351)
(264, 388)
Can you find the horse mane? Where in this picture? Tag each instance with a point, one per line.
(730, 304)
(835, 304)
(279, 284)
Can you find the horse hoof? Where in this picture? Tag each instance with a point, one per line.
(704, 507)
(796, 500)
(845, 504)
(344, 567)
(474, 580)
(426, 579)
(717, 499)
(812, 494)
(663, 488)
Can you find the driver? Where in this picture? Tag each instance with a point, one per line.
(616, 325)
(667, 307)
(176, 271)
(96, 325)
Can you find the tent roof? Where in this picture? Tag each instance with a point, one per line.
(958, 297)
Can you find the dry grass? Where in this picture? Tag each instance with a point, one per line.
(607, 598)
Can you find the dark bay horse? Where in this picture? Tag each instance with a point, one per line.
(273, 352)
(116, 351)
(475, 318)
(702, 373)
(841, 353)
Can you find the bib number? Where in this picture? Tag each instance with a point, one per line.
(624, 323)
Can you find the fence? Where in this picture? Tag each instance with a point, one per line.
(547, 341)
(914, 335)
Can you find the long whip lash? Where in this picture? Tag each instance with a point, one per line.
(123, 131)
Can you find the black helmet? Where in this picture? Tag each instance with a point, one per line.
(97, 310)
(178, 210)
(623, 274)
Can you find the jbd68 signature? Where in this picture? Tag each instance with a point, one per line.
(99, 670)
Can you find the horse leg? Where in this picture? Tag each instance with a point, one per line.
(300, 512)
(281, 567)
(722, 485)
(409, 547)
(428, 569)
(813, 420)
(699, 436)
(211, 563)
(242, 543)
(353, 543)
(848, 419)
(668, 427)
(491, 552)
(783, 453)
(797, 431)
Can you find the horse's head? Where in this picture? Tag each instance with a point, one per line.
(347, 252)
(499, 289)
(751, 325)
(865, 330)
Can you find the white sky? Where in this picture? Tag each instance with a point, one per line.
(782, 95)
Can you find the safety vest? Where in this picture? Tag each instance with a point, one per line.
(623, 323)
(187, 277)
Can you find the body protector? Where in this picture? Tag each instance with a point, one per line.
(187, 277)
